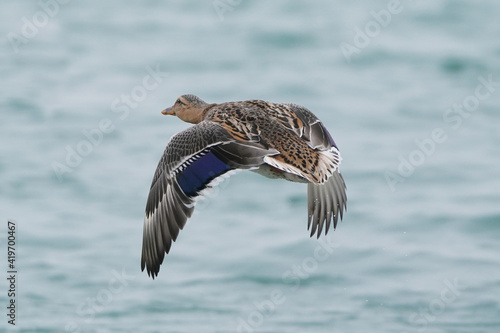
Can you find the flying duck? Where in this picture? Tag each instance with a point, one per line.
(276, 140)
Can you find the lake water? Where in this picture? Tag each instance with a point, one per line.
(410, 91)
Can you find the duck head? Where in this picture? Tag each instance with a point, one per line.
(188, 108)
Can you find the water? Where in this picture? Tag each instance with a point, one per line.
(418, 248)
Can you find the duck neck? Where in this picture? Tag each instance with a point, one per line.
(205, 111)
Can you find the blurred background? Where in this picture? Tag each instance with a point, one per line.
(410, 91)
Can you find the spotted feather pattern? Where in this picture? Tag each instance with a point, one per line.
(305, 146)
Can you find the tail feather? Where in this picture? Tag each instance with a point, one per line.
(317, 170)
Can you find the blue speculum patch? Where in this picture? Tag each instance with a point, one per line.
(199, 173)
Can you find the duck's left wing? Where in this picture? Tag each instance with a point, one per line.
(193, 161)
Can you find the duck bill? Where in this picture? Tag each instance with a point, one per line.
(168, 111)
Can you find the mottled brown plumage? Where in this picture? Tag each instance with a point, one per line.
(277, 126)
(276, 140)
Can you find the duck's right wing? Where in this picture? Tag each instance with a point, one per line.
(326, 203)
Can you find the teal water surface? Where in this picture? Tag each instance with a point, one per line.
(410, 91)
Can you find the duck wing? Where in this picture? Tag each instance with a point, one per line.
(327, 201)
(310, 128)
(327, 198)
(194, 160)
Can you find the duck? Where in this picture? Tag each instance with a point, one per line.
(276, 140)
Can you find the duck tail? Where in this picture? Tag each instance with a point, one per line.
(328, 162)
(321, 166)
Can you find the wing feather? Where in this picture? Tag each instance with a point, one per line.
(326, 196)
(325, 203)
(312, 129)
(192, 162)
